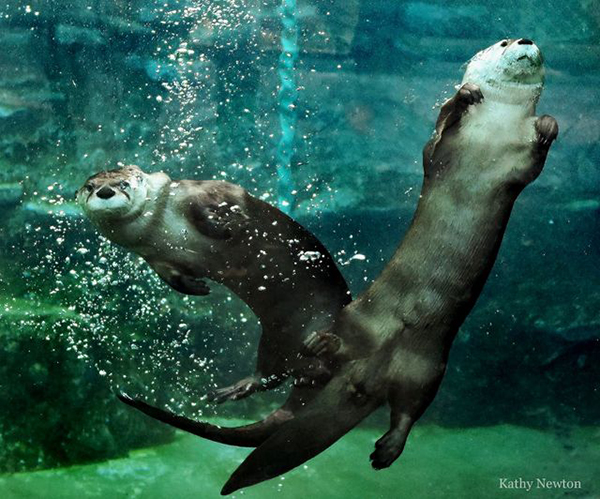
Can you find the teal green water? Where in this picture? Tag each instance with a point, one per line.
(192, 88)
(437, 463)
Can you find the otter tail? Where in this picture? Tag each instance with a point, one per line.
(333, 413)
(250, 435)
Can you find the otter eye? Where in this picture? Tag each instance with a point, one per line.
(88, 187)
(504, 43)
(123, 185)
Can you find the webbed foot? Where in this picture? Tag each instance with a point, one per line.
(388, 448)
(322, 343)
(242, 389)
(311, 372)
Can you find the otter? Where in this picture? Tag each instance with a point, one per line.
(189, 231)
(392, 343)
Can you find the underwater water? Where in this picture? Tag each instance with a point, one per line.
(320, 107)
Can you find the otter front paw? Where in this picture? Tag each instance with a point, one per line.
(547, 130)
(469, 94)
(322, 343)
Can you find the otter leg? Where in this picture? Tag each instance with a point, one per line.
(331, 347)
(391, 445)
(269, 373)
(189, 285)
(453, 109)
(450, 114)
(221, 221)
(546, 129)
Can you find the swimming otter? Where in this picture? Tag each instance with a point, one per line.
(487, 147)
(189, 231)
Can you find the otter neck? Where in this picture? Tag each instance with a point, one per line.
(133, 230)
(523, 95)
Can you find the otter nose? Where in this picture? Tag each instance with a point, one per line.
(525, 41)
(105, 193)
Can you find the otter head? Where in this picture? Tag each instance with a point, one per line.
(511, 70)
(114, 195)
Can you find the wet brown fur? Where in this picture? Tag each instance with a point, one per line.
(189, 231)
(392, 342)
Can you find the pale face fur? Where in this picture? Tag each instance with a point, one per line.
(497, 135)
(114, 195)
(510, 71)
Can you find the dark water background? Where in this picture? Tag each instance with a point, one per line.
(191, 88)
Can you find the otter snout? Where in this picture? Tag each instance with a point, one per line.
(523, 46)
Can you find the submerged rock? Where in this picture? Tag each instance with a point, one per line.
(69, 35)
(57, 409)
(444, 20)
(10, 195)
(40, 208)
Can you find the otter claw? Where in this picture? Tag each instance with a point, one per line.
(304, 381)
(547, 129)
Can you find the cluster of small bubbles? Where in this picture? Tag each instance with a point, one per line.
(201, 85)
(110, 310)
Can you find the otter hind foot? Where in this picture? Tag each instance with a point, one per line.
(387, 449)
(322, 343)
(547, 130)
(242, 389)
(311, 372)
